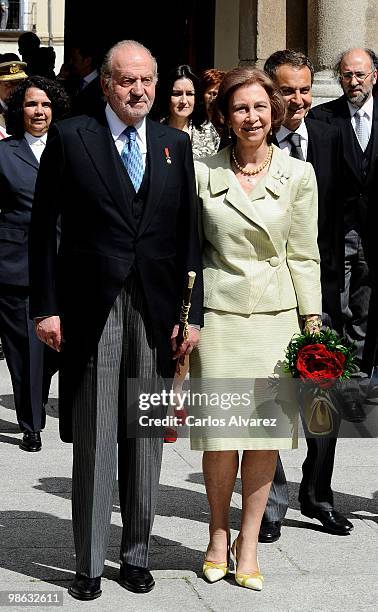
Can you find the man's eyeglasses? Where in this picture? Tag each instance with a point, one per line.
(360, 76)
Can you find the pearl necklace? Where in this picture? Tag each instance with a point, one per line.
(256, 170)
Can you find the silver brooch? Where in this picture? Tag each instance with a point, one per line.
(281, 176)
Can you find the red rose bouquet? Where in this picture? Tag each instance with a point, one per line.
(319, 360)
(317, 363)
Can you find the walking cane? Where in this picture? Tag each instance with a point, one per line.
(182, 335)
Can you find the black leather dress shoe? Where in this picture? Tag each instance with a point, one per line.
(85, 588)
(270, 531)
(31, 441)
(332, 521)
(136, 579)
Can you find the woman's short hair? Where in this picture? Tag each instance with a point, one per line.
(242, 77)
(212, 77)
(14, 115)
(165, 89)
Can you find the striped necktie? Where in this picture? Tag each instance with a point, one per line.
(362, 128)
(132, 157)
(296, 149)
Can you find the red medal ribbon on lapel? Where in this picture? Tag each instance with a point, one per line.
(167, 156)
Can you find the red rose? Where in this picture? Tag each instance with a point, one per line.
(317, 363)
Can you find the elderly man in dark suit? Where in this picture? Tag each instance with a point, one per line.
(307, 139)
(31, 109)
(125, 191)
(356, 115)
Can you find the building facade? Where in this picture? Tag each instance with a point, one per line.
(205, 33)
(44, 17)
(248, 31)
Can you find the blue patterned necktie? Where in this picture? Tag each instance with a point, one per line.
(132, 157)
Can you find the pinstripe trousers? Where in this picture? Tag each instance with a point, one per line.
(125, 350)
(355, 298)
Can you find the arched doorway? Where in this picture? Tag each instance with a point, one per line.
(174, 33)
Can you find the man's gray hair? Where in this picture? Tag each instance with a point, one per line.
(337, 66)
(106, 68)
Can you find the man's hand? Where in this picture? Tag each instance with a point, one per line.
(187, 346)
(49, 331)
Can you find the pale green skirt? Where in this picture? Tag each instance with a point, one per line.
(252, 348)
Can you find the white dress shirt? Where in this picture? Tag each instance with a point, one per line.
(117, 127)
(3, 133)
(36, 143)
(89, 78)
(285, 144)
(367, 108)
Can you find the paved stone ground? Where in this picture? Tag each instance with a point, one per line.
(306, 570)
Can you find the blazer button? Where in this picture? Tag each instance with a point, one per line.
(274, 261)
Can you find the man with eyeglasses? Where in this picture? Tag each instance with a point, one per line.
(306, 139)
(356, 115)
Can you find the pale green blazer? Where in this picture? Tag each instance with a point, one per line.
(260, 251)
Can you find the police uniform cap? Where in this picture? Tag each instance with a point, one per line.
(12, 71)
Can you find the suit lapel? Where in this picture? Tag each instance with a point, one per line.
(222, 178)
(374, 136)
(343, 121)
(278, 174)
(311, 149)
(246, 204)
(22, 150)
(158, 168)
(100, 147)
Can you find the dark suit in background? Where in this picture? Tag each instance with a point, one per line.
(359, 312)
(89, 100)
(25, 354)
(324, 153)
(83, 60)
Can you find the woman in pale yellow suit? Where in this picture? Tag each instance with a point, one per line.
(261, 273)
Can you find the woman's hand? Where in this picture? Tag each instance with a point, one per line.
(312, 324)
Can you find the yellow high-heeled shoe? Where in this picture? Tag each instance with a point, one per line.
(252, 581)
(216, 571)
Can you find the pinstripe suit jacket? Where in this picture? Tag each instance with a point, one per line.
(82, 179)
(260, 251)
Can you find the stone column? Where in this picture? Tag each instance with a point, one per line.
(372, 25)
(333, 27)
(226, 35)
(262, 30)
